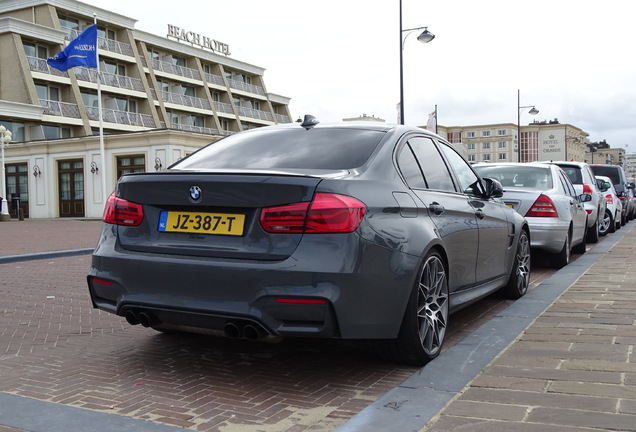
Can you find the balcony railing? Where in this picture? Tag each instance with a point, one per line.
(176, 70)
(191, 101)
(223, 107)
(250, 88)
(192, 128)
(110, 79)
(255, 114)
(61, 109)
(40, 65)
(107, 44)
(122, 117)
(214, 79)
(282, 118)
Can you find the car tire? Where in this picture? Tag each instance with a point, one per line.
(606, 225)
(562, 258)
(592, 234)
(423, 328)
(520, 275)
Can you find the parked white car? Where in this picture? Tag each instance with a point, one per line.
(582, 177)
(614, 207)
(544, 194)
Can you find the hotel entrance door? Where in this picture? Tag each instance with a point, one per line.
(71, 187)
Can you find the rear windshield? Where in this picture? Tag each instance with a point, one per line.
(517, 176)
(574, 173)
(606, 171)
(327, 149)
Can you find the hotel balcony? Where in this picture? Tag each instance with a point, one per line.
(173, 69)
(61, 109)
(110, 79)
(122, 117)
(192, 128)
(40, 65)
(249, 88)
(107, 44)
(255, 114)
(180, 99)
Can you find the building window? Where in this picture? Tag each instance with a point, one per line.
(47, 93)
(470, 146)
(501, 132)
(68, 23)
(501, 144)
(17, 129)
(114, 68)
(130, 164)
(472, 158)
(37, 51)
(502, 156)
(455, 137)
(485, 133)
(485, 146)
(486, 157)
(470, 134)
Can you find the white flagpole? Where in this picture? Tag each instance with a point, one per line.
(101, 121)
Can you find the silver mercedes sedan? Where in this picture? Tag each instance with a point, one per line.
(546, 197)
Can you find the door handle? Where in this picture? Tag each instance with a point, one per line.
(436, 208)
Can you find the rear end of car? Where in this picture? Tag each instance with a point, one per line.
(254, 252)
(584, 182)
(529, 189)
(623, 191)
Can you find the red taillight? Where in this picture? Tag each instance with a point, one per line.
(542, 207)
(326, 213)
(587, 189)
(609, 198)
(121, 212)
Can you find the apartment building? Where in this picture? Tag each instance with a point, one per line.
(163, 97)
(540, 141)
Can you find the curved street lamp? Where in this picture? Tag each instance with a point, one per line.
(425, 37)
(533, 111)
(5, 138)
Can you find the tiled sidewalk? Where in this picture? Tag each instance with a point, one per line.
(573, 369)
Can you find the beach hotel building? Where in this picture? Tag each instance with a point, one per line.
(163, 97)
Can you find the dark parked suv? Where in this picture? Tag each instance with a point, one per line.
(624, 190)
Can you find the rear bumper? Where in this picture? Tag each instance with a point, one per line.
(355, 289)
(547, 235)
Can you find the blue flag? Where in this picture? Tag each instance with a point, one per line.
(81, 51)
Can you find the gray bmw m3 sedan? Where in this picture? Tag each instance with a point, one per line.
(352, 231)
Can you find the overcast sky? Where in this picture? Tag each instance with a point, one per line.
(573, 59)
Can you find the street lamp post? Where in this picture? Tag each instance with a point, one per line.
(5, 137)
(532, 111)
(424, 37)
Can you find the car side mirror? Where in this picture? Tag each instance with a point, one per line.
(631, 185)
(585, 197)
(605, 186)
(492, 188)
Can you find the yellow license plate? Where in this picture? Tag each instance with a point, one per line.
(202, 223)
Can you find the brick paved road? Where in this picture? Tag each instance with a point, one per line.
(55, 347)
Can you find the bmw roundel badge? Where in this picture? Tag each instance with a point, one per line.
(195, 193)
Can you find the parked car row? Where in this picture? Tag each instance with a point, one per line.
(350, 231)
(566, 204)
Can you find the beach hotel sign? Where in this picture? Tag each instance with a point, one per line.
(197, 39)
(551, 145)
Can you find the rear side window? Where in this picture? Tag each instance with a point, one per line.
(435, 171)
(328, 149)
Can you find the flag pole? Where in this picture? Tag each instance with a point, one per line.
(435, 118)
(101, 120)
